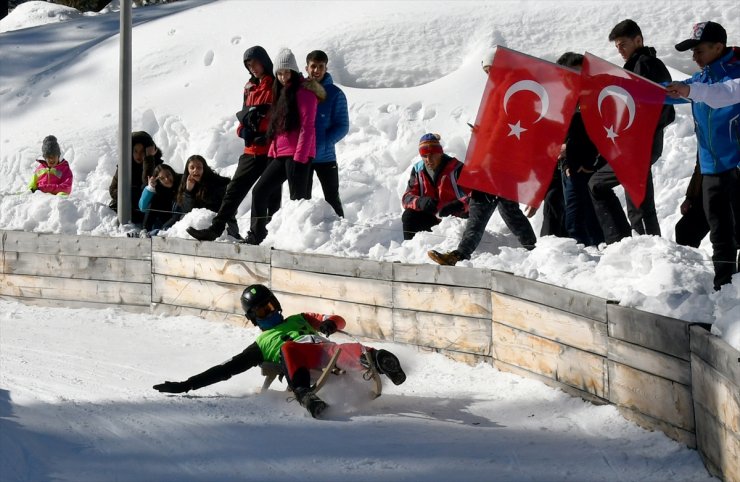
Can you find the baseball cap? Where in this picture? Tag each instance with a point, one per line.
(703, 32)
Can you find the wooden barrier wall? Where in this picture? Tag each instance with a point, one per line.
(660, 372)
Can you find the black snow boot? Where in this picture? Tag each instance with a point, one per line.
(310, 401)
(387, 364)
(208, 234)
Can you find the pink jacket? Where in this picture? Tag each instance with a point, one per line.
(300, 143)
(54, 180)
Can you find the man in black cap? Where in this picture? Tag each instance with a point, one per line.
(718, 139)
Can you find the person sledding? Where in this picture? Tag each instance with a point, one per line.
(297, 344)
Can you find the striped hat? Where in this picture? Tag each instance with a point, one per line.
(429, 144)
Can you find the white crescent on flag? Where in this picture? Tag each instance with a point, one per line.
(621, 94)
(534, 87)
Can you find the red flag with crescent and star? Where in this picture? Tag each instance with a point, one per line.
(522, 122)
(621, 111)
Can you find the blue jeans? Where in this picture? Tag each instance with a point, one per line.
(580, 217)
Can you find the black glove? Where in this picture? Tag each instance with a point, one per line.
(427, 204)
(328, 327)
(452, 208)
(173, 387)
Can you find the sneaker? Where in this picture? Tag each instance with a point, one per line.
(445, 259)
(207, 234)
(310, 401)
(387, 364)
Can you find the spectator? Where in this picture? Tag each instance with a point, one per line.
(157, 200)
(579, 160)
(200, 187)
(432, 189)
(53, 175)
(332, 124)
(641, 60)
(296, 344)
(292, 136)
(145, 156)
(482, 206)
(718, 139)
(721, 94)
(253, 122)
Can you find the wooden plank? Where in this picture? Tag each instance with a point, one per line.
(654, 396)
(553, 324)
(716, 352)
(374, 322)
(442, 275)
(333, 287)
(112, 292)
(215, 316)
(79, 267)
(202, 294)
(451, 300)
(211, 249)
(656, 332)
(571, 366)
(210, 269)
(650, 361)
(92, 246)
(719, 447)
(575, 302)
(462, 357)
(448, 332)
(572, 391)
(322, 263)
(717, 393)
(645, 421)
(78, 304)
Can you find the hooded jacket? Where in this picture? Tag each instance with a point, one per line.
(257, 93)
(332, 121)
(718, 130)
(52, 180)
(300, 144)
(645, 62)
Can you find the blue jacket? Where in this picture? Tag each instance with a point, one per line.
(718, 130)
(332, 121)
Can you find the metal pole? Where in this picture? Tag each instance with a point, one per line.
(124, 116)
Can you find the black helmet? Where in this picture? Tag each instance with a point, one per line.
(254, 296)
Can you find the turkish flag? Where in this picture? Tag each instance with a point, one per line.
(522, 122)
(621, 111)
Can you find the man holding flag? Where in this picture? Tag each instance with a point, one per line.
(620, 142)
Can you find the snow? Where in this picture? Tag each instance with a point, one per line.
(82, 401)
(76, 404)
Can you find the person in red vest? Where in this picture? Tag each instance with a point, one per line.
(432, 191)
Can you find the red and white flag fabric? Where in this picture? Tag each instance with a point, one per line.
(522, 122)
(621, 111)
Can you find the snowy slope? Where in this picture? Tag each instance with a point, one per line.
(76, 405)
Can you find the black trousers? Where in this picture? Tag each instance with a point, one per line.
(248, 171)
(553, 208)
(720, 203)
(328, 174)
(415, 221)
(693, 226)
(278, 170)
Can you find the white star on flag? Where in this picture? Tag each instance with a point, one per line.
(611, 133)
(516, 129)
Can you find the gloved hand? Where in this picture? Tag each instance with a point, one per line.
(427, 204)
(328, 327)
(173, 387)
(452, 208)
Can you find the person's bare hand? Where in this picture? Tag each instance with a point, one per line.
(190, 184)
(151, 150)
(152, 182)
(677, 90)
(685, 206)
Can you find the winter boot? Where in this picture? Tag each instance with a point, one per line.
(310, 401)
(386, 363)
(252, 239)
(445, 259)
(208, 234)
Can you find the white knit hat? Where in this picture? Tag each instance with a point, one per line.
(286, 60)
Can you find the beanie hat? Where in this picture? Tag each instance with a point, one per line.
(429, 144)
(286, 60)
(704, 32)
(143, 138)
(50, 147)
(487, 60)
